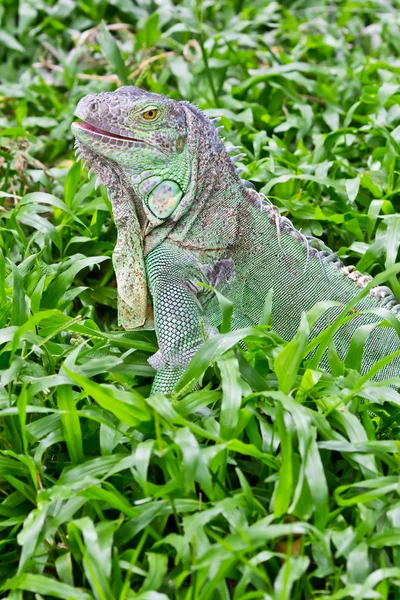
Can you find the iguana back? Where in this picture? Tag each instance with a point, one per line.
(301, 275)
(184, 215)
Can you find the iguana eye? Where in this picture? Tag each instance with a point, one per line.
(150, 114)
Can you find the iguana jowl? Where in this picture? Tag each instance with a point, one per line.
(184, 216)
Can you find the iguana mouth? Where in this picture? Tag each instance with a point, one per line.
(104, 133)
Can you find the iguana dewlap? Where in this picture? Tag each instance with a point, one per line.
(184, 216)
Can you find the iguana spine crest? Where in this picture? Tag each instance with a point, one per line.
(382, 294)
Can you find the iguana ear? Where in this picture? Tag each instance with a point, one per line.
(128, 261)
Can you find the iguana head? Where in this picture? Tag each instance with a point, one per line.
(145, 134)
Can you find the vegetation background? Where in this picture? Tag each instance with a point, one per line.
(274, 481)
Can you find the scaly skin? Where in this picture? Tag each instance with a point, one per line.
(184, 216)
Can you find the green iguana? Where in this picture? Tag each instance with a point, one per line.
(185, 216)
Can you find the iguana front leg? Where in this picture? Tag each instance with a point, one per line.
(179, 320)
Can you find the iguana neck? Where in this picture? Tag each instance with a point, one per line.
(214, 174)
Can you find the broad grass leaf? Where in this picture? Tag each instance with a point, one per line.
(288, 361)
(111, 497)
(41, 584)
(231, 393)
(284, 489)
(31, 534)
(21, 404)
(248, 493)
(96, 555)
(210, 350)
(194, 464)
(355, 352)
(63, 281)
(12, 373)
(360, 336)
(11, 42)
(316, 480)
(151, 596)
(94, 467)
(337, 367)
(19, 312)
(308, 382)
(2, 278)
(71, 183)
(123, 339)
(379, 394)
(25, 490)
(255, 377)
(387, 538)
(128, 407)
(63, 565)
(387, 90)
(55, 437)
(371, 447)
(152, 510)
(47, 382)
(356, 433)
(31, 324)
(306, 440)
(8, 466)
(370, 180)
(42, 225)
(94, 366)
(43, 198)
(290, 572)
(373, 579)
(295, 66)
(225, 305)
(191, 454)
(352, 187)
(162, 406)
(141, 464)
(112, 53)
(70, 423)
(158, 566)
(263, 531)
(336, 184)
(319, 309)
(196, 401)
(352, 494)
(251, 450)
(36, 296)
(266, 315)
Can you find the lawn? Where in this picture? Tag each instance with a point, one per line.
(274, 480)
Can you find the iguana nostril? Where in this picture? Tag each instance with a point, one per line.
(93, 106)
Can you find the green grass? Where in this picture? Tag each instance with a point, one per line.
(274, 481)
